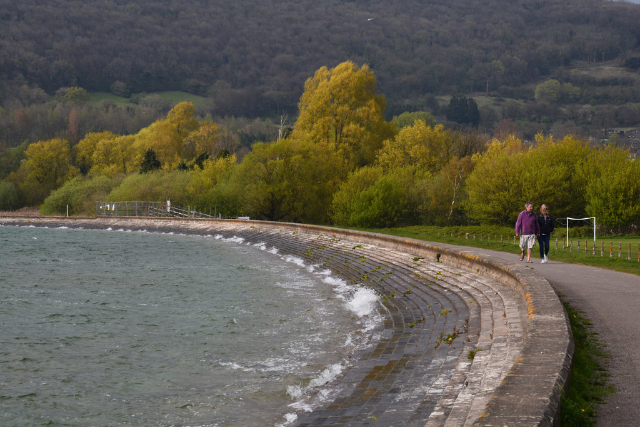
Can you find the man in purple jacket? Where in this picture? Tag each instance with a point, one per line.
(527, 228)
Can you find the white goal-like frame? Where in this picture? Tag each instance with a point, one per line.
(581, 219)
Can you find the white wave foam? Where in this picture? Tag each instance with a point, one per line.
(273, 250)
(304, 394)
(62, 227)
(109, 229)
(235, 366)
(289, 418)
(294, 259)
(262, 246)
(329, 374)
(363, 302)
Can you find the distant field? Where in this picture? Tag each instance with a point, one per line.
(606, 71)
(174, 96)
(99, 96)
(177, 96)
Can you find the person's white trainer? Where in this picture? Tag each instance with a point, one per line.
(543, 261)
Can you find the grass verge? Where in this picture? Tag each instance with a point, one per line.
(501, 239)
(589, 383)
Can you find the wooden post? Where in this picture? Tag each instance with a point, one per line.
(619, 250)
(585, 247)
(466, 235)
(579, 246)
(501, 240)
(564, 244)
(571, 247)
(629, 252)
(594, 247)
(611, 250)
(474, 236)
(556, 243)
(602, 248)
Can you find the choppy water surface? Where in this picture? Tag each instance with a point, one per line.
(135, 328)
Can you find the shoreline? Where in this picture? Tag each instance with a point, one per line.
(412, 347)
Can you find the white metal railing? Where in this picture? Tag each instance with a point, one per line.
(147, 209)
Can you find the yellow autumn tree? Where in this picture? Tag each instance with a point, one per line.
(115, 156)
(86, 147)
(495, 187)
(166, 136)
(340, 107)
(47, 166)
(428, 148)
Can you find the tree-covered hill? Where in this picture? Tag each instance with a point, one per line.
(252, 57)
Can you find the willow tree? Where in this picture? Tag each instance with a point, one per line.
(340, 107)
(47, 166)
(166, 136)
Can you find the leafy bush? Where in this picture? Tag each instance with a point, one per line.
(9, 196)
(154, 186)
(80, 194)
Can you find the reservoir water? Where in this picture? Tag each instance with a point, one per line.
(115, 327)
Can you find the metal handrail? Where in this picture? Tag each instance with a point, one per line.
(147, 209)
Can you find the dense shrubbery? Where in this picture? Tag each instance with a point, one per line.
(80, 195)
(339, 171)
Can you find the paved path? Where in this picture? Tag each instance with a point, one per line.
(611, 301)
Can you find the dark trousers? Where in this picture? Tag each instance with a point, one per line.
(544, 240)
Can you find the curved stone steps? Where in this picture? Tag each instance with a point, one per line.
(459, 392)
(430, 371)
(449, 389)
(473, 384)
(411, 376)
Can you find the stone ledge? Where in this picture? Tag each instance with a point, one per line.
(530, 393)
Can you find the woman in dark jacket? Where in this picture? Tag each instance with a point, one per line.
(546, 227)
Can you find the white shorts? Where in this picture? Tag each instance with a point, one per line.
(527, 241)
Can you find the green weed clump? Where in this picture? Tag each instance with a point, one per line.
(589, 383)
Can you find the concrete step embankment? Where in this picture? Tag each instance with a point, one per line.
(461, 342)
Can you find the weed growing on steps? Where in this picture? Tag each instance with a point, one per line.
(472, 353)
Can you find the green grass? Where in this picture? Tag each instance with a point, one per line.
(176, 97)
(589, 383)
(443, 235)
(96, 97)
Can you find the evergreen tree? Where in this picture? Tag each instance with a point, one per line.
(463, 110)
(150, 162)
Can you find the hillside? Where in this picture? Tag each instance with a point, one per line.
(250, 58)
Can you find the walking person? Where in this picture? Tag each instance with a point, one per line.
(527, 228)
(546, 228)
